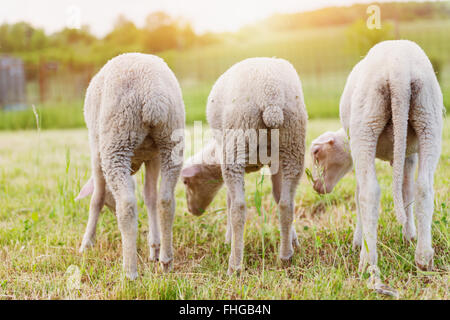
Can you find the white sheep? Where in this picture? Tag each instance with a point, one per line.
(252, 96)
(133, 106)
(392, 109)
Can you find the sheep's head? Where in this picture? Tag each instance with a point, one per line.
(202, 183)
(88, 189)
(332, 159)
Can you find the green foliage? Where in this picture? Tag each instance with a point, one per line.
(67, 37)
(362, 38)
(124, 34)
(21, 36)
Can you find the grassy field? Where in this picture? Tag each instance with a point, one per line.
(41, 227)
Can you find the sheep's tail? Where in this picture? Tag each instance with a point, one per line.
(273, 116)
(400, 88)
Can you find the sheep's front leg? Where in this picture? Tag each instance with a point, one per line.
(96, 204)
(150, 199)
(233, 176)
(409, 229)
(166, 206)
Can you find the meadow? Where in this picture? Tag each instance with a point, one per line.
(41, 227)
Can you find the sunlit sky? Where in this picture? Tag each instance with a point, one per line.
(205, 15)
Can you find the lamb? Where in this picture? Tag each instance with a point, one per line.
(391, 108)
(135, 114)
(254, 96)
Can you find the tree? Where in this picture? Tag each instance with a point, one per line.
(68, 36)
(21, 36)
(164, 33)
(157, 20)
(125, 33)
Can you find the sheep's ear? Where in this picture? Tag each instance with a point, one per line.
(316, 148)
(87, 190)
(190, 172)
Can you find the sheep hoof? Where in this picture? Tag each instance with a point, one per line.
(408, 235)
(132, 275)
(286, 258)
(356, 245)
(382, 288)
(286, 262)
(85, 245)
(375, 283)
(234, 270)
(166, 266)
(154, 252)
(408, 240)
(424, 260)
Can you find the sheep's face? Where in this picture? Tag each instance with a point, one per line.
(331, 157)
(88, 189)
(202, 183)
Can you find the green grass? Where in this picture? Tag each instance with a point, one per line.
(53, 115)
(41, 227)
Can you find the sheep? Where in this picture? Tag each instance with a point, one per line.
(254, 96)
(391, 108)
(135, 114)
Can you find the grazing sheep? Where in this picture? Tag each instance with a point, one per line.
(133, 107)
(392, 109)
(252, 96)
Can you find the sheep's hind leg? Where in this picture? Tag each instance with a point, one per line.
(286, 207)
(96, 204)
(409, 229)
(120, 181)
(428, 127)
(123, 190)
(150, 194)
(363, 146)
(357, 235)
(277, 181)
(363, 141)
(170, 171)
(229, 228)
(233, 176)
